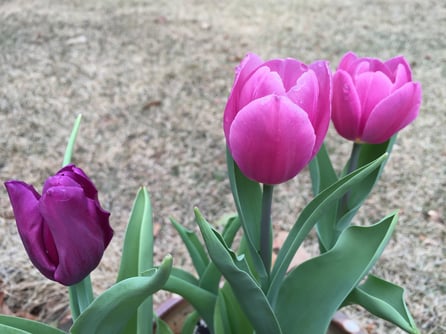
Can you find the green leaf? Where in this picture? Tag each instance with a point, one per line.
(162, 327)
(312, 292)
(71, 141)
(308, 218)
(194, 247)
(202, 300)
(137, 253)
(137, 257)
(385, 300)
(12, 330)
(248, 200)
(26, 326)
(229, 310)
(110, 312)
(246, 289)
(190, 323)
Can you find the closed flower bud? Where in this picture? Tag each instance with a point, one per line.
(373, 100)
(65, 231)
(277, 116)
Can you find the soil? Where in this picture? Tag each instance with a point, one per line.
(151, 79)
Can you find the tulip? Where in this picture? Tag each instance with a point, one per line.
(373, 100)
(65, 231)
(277, 116)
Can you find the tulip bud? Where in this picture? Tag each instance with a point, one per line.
(373, 100)
(277, 116)
(65, 231)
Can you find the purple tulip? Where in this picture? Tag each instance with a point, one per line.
(65, 231)
(277, 116)
(373, 100)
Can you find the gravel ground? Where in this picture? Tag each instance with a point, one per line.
(151, 79)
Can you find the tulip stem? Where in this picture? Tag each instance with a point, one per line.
(81, 295)
(265, 227)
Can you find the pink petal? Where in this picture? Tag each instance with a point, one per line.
(399, 64)
(321, 119)
(402, 76)
(393, 113)
(38, 244)
(246, 67)
(347, 60)
(271, 139)
(372, 87)
(346, 114)
(261, 83)
(305, 94)
(289, 70)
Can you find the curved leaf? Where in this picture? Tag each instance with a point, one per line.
(312, 292)
(308, 218)
(110, 312)
(26, 326)
(250, 296)
(196, 251)
(385, 300)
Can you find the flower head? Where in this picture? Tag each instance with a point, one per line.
(277, 116)
(372, 100)
(65, 231)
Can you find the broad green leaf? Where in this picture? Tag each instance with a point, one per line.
(248, 201)
(238, 322)
(246, 289)
(190, 322)
(137, 253)
(202, 300)
(385, 300)
(110, 312)
(221, 317)
(308, 218)
(195, 248)
(211, 276)
(162, 327)
(12, 330)
(26, 325)
(349, 205)
(137, 257)
(312, 292)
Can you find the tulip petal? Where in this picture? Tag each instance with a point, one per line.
(372, 87)
(261, 83)
(271, 139)
(72, 220)
(289, 70)
(322, 116)
(347, 60)
(393, 113)
(246, 67)
(34, 234)
(346, 114)
(400, 69)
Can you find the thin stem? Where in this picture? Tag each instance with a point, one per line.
(265, 227)
(81, 295)
(352, 165)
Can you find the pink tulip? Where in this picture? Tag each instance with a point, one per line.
(373, 100)
(277, 116)
(65, 231)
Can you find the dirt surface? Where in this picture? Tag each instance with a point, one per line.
(151, 79)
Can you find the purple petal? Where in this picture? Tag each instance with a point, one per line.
(346, 113)
(393, 113)
(72, 220)
(347, 60)
(272, 139)
(35, 236)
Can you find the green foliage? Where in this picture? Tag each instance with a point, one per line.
(10, 324)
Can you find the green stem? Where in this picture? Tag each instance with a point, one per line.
(265, 227)
(81, 295)
(352, 166)
(71, 141)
